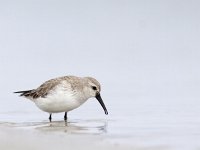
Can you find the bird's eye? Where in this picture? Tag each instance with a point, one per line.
(94, 87)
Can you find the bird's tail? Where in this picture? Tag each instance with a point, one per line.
(24, 93)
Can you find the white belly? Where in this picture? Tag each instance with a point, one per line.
(59, 101)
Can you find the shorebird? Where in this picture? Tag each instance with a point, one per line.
(64, 94)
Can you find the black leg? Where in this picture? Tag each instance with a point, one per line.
(50, 117)
(65, 116)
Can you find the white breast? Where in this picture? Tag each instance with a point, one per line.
(60, 100)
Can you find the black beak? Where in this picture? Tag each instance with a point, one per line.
(98, 97)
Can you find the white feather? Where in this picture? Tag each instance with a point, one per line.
(60, 100)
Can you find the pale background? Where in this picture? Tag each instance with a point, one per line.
(146, 54)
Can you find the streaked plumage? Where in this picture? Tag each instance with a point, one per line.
(64, 94)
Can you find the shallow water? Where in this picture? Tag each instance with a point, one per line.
(72, 127)
(145, 122)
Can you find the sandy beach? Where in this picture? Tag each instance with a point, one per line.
(96, 134)
(57, 136)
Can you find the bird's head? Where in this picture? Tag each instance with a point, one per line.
(93, 90)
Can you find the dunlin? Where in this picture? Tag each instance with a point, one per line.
(64, 94)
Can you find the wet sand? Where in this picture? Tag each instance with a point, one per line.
(144, 127)
(59, 135)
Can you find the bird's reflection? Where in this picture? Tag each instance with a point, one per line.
(70, 127)
(75, 127)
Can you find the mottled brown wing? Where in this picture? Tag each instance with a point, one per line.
(42, 90)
